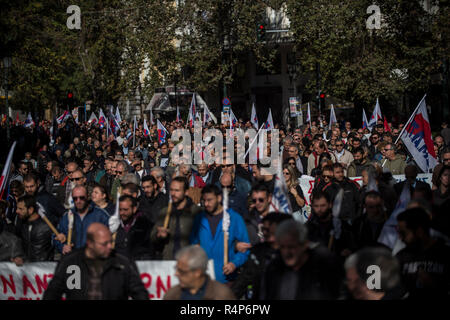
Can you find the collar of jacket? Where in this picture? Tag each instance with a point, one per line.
(111, 261)
(91, 208)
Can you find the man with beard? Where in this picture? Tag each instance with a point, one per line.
(359, 163)
(53, 208)
(35, 233)
(350, 202)
(152, 201)
(169, 240)
(321, 228)
(133, 235)
(207, 231)
(425, 261)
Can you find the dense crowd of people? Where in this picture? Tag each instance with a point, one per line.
(77, 176)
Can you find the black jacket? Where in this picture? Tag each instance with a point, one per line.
(151, 207)
(350, 202)
(319, 278)
(253, 269)
(135, 244)
(53, 209)
(120, 279)
(36, 240)
(10, 246)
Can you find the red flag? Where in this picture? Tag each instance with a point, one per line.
(386, 126)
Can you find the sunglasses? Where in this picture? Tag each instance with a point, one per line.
(75, 179)
(446, 159)
(286, 173)
(326, 176)
(119, 172)
(292, 163)
(260, 200)
(79, 198)
(338, 145)
(226, 165)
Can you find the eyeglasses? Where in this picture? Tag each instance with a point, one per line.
(386, 150)
(444, 160)
(76, 179)
(226, 165)
(260, 200)
(119, 172)
(70, 172)
(82, 198)
(286, 173)
(338, 145)
(327, 176)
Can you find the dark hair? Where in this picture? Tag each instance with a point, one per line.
(211, 188)
(438, 181)
(102, 189)
(30, 201)
(358, 150)
(318, 194)
(182, 180)
(415, 218)
(337, 165)
(261, 187)
(29, 177)
(131, 187)
(129, 198)
(148, 178)
(275, 217)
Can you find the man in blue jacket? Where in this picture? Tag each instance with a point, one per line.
(84, 213)
(208, 232)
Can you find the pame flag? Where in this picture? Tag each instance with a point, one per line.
(162, 133)
(280, 199)
(146, 130)
(101, 119)
(417, 138)
(376, 115)
(365, 123)
(28, 121)
(63, 117)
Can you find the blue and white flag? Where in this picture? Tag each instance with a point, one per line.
(28, 121)
(365, 123)
(280, 199)
(117, 115)
(63, 117)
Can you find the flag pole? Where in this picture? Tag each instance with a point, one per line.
(404, 127)
(134, 132)
(410, 118)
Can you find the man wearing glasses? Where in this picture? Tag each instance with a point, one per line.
(344, 157)
(261, 198)
(85, 212)
(394, 163)
(373, 150)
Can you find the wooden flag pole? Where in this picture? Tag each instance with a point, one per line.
(69, 236)
(225, 247)
(169, 211)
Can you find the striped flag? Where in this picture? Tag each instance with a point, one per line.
(376, 115)
(93, 119)
(365, 123)
(28, 121)
(416, 136)
(269, 123)
(254, 117)
(4, 179)
(146, 130)
(162, 132)
(101, 119)
(63, 117)
(117, 115)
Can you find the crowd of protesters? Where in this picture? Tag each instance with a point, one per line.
(78, 167)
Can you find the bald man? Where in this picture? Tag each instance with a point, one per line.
(236, 200)
(85, 212)
(96, 272)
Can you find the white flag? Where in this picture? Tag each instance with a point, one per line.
(269, 122)
(332, 117)
(254, 117)
(416, 136)
(376, 114)
(117, 116)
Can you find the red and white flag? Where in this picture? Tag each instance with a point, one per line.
(63, 117)
(376, 115)
(93, 119)
(416, 136)
(192, 112)
(4, 180)
(254, 118)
